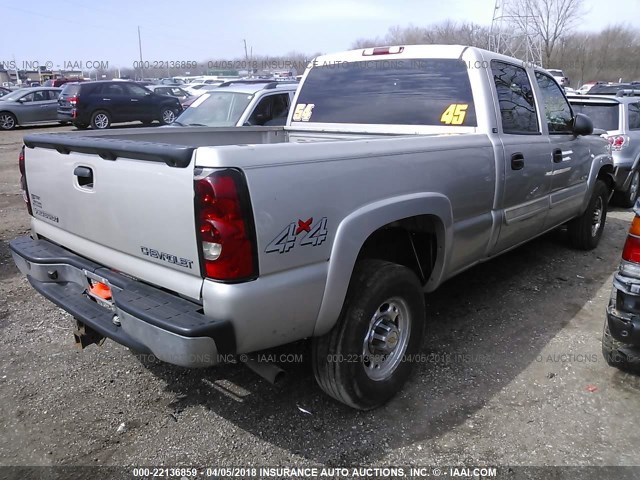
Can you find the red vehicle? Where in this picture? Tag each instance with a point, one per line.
(58, 82)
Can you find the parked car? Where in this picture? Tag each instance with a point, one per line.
(58, 82)
(391, 176)
(620, 117)
(612, 88)
(586, 87)
(28, 106)
(100, 104)
(185, 98)
(4, 91)
(560, 77)
(621, 336)
(241, 103)
(199, 88)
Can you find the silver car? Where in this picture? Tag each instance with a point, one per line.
(619, 115)
(29, 106)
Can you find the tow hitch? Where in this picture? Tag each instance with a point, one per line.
(85, 336)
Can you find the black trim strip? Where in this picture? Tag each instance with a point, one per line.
(178, 156)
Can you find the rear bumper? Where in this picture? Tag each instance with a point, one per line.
(623, 311)
(147, 319)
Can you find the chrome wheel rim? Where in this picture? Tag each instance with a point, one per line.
(101, 121)
(7, 122)
(168, 116)
(386, 340)
(597, 216)
(633, 188)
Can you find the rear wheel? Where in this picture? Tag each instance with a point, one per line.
(586, 230)
(100, 120)
(362, 361)
(8, 121)
(167, 115)
(627, 198)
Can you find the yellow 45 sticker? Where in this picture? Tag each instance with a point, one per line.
(303, 111)
(454, 114)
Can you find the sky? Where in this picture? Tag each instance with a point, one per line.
(67, 32)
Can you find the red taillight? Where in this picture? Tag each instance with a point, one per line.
(23, 180)
(618, 142)
(382, 51)
(631, 251)
(73, 100)
(224, 226)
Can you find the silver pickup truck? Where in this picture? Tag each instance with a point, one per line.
(398, 168)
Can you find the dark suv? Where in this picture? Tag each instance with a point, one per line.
(99, 104)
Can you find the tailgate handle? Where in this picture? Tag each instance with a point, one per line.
(84, 176)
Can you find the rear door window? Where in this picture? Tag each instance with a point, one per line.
(399, 92)
(634, 116)
(517, 103)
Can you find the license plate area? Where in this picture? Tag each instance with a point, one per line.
(99, 290)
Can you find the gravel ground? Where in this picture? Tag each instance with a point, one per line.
(512, 375)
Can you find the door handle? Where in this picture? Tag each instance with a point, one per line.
(557, 155)
(134, 99)
(517, 161)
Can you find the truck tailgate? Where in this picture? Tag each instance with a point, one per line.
(133, 215)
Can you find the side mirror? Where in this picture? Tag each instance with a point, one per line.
(582, 125)
(21, 100)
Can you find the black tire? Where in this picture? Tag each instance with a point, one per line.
(64, 123)
(340, 362)
(168, 115)
(81, 126)
(147, 122)
(8, 121)
(100, 120)
(586, 230)
(612, 354)
(627, 198)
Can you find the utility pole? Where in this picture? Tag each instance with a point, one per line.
(246, 55)
(140, 49)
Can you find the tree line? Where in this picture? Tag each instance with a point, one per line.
(609, 55)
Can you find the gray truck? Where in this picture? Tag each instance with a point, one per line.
(398, 168)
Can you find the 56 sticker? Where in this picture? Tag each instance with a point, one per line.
(454, 114)
(303, 111)
(314, 234)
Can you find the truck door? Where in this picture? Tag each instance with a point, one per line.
(524, 202)
(570, 153)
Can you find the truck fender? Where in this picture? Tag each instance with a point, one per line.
(602, 165)
(354, 230)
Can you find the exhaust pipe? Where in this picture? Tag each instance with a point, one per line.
(267, 370)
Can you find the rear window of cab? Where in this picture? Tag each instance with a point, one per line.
(401, 92)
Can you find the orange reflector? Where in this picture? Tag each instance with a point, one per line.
(635, 226)
(101, 290)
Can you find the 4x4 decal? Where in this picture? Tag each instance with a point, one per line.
(314, 234)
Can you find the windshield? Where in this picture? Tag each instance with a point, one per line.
(15, 95)
(216, 109)
(604, 115)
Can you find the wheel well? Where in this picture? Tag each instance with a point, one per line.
(606, 175)
(411, 242)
